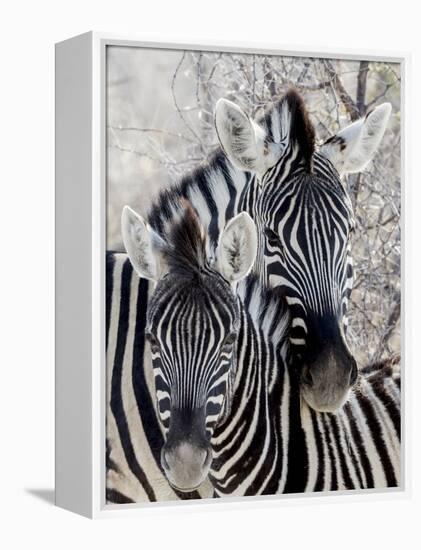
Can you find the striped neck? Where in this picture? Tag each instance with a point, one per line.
(255, 429)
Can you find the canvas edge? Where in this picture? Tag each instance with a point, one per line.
(99, 508)
(73, 253)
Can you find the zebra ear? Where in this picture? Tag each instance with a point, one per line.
(353, 147)
(242, 139)
(237, 248)
(143, 246)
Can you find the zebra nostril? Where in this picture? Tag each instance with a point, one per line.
(306, 376)
(208, 457)
(164, 461)
(354, 373)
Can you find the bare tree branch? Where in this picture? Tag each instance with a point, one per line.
(346, 99)
(362, 87)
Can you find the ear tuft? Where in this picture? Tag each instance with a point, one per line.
(237, 248)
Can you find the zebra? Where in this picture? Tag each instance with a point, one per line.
(133, 431)
(304, 218)
(228, 402)
(217, 190)
(134, 435)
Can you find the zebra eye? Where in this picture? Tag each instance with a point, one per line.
(230, 339)
(275, 241)
(152, 339)
(271, 235)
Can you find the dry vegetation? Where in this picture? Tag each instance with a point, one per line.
(160, 125)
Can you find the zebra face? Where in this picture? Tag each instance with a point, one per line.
(193, 321)
(305, 226)
(192, 330)
(304, 218)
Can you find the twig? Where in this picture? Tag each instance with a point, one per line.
(346, 99)
(390, 326)
(155, 159)
(145, 130)
(180, 114)
(362, 87)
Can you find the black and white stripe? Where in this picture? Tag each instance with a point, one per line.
(214, 191)
(273, 442)
(306, 252)
(134, 431)
(305, 221)
(269, 440)
(217, 191)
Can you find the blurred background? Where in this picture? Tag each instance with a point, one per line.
(160, 107)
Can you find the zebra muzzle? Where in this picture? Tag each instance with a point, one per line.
(185, 465)
(325, 384)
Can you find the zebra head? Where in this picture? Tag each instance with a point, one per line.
(192, 325)
(304, 219)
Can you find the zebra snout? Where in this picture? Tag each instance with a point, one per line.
(354, 372)
(306, 376)
(186, 466)
(325, 384)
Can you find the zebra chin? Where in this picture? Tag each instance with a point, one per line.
(186, 466)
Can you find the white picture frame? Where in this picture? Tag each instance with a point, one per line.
(80, 275)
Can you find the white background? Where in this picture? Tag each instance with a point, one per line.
(28, 31)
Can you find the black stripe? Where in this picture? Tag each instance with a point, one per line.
(110, 262)
(202, 183)
(391, 408)
(365, 463)
(334, 479)
(116, 401)
(344, 467)
(297, 449)
(376, 433)
(144, 401)
(320, 481)
(115, 497)
(355, 463)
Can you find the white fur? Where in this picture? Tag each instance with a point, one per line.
(237, 248)
(357, 143)
(143, 245)
(242, 139)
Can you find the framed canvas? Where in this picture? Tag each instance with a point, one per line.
(229, 280)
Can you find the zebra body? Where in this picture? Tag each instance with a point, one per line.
(304, 217)
(134, 432)
(217, 191)
(273, 442)
(269, 441)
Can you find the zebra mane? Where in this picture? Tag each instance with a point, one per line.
(291, 111)
(376, 373)
(287, 116)
(186, 246)
(205, 181)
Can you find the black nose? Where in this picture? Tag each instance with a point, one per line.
(306, 376)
